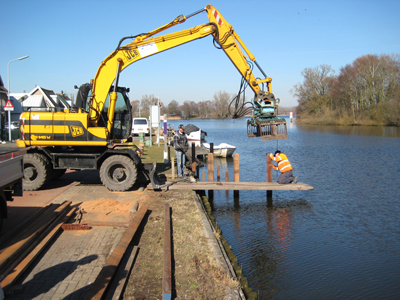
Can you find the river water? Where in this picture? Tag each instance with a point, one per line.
(338, 241)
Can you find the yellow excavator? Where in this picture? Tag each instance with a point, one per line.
(92, 134)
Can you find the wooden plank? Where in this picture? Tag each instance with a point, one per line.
(167, 270)
(201, 151)
(236, 173)
(102, 281)
(269, 176)
(119, 282)
(245, 186)
(14, 275)
(29, 235)
(8, 236)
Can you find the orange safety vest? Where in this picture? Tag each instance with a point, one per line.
(283, 163)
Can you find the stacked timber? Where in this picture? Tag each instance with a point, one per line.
(20, 247)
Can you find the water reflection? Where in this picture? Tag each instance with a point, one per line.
(384, 131)
(340, 241)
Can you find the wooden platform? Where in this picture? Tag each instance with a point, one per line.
(236, 186)
(200, 151)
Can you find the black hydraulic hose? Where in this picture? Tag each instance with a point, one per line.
(128, 37)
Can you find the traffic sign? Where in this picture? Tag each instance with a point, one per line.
(9, 106)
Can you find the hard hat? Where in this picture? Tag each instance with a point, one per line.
(277, 151)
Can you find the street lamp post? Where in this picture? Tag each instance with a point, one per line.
(8, 96)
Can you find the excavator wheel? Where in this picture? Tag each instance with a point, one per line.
(118, 173)
(36, 170)
(57, 173)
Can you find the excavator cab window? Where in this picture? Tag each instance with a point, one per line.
(122, 125)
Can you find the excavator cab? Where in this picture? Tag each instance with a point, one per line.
(122, 120)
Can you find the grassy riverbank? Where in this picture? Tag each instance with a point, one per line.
(196, 272)
(328, 117)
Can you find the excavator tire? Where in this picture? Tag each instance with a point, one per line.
(36, 170)
(57, 173)
(118, 173)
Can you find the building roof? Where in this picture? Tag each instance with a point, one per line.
(47, 99)
(34, 101)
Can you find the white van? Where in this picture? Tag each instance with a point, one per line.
(140, 125)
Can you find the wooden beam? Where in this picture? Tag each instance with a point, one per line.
(167, 269)
(124, 270)
(269, 176)
(30, 236)
(236, 173)
(244, 186)
(15, 273)
(102, 281)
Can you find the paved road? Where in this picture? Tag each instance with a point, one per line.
(75, 258)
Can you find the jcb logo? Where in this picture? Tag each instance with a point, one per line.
(131, 54)
(76, 131)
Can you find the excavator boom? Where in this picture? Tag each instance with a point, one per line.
(264, 104)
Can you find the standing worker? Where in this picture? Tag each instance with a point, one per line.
(180, 146)
(284, 167)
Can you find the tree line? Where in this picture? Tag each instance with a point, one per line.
(365, 92)
(216, 108)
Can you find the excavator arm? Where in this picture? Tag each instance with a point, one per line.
(147, 44)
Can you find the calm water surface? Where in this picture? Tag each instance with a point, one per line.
(339, 241)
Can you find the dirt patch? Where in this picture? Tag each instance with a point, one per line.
(112, 210)
(106, 210)
(195, 271)
(106, 206)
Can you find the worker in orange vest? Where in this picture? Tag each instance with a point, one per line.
(284, 167)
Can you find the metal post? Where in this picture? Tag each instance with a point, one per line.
(158, 126)
(8, 95)
(151, 125)
(165, 140)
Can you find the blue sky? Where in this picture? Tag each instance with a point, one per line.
(67, 40)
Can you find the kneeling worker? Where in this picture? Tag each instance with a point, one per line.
(284, 167)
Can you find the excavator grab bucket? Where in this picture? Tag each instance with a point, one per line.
(266, 128)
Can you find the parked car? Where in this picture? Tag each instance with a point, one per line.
(14, 130)
(140, 125)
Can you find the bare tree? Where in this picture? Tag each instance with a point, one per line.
(205, 109)
(368, 82)
(135, 108)
(221, 101)
(145, 103)
(314, 92)
(189, 109)
(173, 107)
